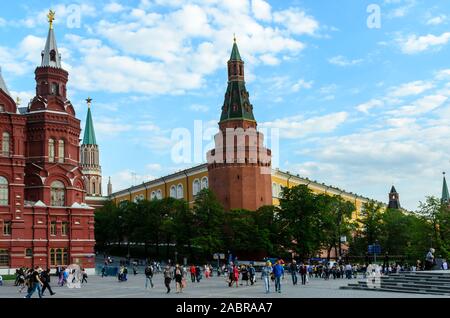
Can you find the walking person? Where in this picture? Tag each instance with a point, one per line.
(303, 271)
(198, 274)
(265, 276)
(84, 276)
(278, 272)
(192, 271)
(293, 268)
(429, 259)
(45, 277)
(178, 279)
(148, 276)
(252, 273)
(36, 283)
(236, 274)
(168, 275)
(244, 273)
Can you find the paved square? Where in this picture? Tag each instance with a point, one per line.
(215, 287)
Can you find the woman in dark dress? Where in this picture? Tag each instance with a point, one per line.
(244, 272)
(179, 278)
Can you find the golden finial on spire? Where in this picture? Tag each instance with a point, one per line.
(89, 101)
(18, 100)
(51, 17)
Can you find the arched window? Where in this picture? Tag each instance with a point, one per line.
(4, 199)
(5, 144)
(196, 187)
(51, 150)
(274, 190)
(204, 183)
(159, 194)
(53, 55)
(55, 89)
(280, 191)
(2, 108)
(61, 151)
(93, 187)
(153, 195)
(180, 194)
(173, 192)
(58, 193)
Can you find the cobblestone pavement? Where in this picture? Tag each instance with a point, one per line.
(215, 287)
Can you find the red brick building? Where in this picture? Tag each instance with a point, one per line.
(44, 219)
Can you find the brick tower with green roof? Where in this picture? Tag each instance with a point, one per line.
(239, 166)
(90, 158)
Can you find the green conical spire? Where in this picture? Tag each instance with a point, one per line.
(445, 196)
(235, 56)
(89, 133)
(237, 104)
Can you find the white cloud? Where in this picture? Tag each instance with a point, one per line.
(365, 107)
(412, 88)
(443, 74)
(187, 44)
(297, 21)
(401, 11)
(114, 7)
(297, 126)
(261, 10)
(110, 127)
(415, 44)
(343, 61)
(420, 106)
(2, 22)
(437, 20)
(269, 59)
(301, 84)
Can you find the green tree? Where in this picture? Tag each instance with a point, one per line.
(299, 220)
(437, 214)
(208, 220)
(335, 215)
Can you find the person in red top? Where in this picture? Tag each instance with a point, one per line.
(236, 274)
(192, 271)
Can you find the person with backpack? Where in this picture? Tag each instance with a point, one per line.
(35, 283)
(148, 276)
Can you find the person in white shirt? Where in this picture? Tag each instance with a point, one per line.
(444, 265)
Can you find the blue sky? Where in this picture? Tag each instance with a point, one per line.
(356, 107)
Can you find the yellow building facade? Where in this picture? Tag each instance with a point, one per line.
(187, 183)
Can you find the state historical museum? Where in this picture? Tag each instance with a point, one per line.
(44, 217)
